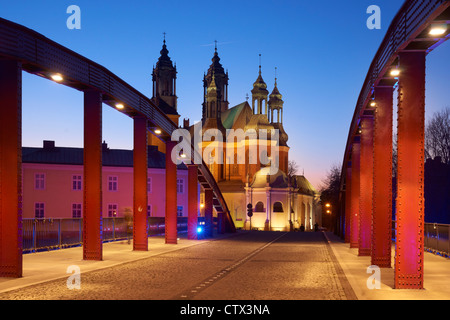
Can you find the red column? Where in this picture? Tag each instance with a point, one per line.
(140, 173)
(410, 192)
(208, 212)
(354, 202)
(92, 206)
(193, 201)
(348, 201)
(171, 195)
(10, 169)
(382, 179)
(366, 185)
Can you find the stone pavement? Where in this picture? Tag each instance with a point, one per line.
(436, 273)
(46, 266)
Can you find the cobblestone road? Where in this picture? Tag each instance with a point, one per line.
(250, 266)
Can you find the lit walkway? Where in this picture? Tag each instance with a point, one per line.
(436, 273)
(46, 266)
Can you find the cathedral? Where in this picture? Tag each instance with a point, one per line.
(279, 202)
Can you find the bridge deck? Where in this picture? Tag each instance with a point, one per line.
(48, 266)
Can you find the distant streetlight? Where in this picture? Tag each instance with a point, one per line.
(120, 106)
(157, 131)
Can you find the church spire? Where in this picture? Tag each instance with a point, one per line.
(259, 93)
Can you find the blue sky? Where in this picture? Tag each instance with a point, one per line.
(322, 51)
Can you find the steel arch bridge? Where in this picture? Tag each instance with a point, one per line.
(365, 219)
(22, 49)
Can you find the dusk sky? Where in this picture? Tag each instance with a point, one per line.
(322, 51)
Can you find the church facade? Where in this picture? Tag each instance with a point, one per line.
(279, 202)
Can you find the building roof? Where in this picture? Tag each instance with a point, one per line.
(262, 177)
(50, 154)
(230, 116)
(303, 185)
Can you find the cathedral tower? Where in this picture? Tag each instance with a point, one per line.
(221, 80)
(164, 79)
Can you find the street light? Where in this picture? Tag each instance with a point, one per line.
(57, 77)
(438, 29)
(395, 72)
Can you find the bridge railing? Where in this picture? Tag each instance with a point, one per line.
(436, 238)
(50, 234)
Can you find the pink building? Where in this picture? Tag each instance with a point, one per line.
(53, 182)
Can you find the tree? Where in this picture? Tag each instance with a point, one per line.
(292, 169)
(329, 194)
(437, 136)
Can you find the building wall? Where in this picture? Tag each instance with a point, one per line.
(58, 196)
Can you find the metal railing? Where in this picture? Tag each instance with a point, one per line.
(49, 234)
(436, 238)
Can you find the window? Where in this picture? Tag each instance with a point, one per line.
(180, 186)
(39, 181)
(113, 183)
(76, 210)
(112, 210)
(259, 207)
(39, 210)
(149, 210)
(278, 207)
(179, 211)
(149, 185)
(76, 182)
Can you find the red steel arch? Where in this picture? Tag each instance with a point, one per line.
(24, 49)
(404, 47)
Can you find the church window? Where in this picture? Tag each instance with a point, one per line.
(278, 207)
(259, 207)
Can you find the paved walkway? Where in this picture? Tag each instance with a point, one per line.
(46, 266)
(436, 273)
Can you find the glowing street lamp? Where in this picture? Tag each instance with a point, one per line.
(57, 77)
(120, 106)
(395, 72)
(438, 29)
(157, 131)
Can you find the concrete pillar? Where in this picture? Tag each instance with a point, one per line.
(92, 213)
(354, 202)
(171, 195)
(382, 179)
(140, 173)
(410, 189)
(366, 185)
(10, 169)
(193, 203)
